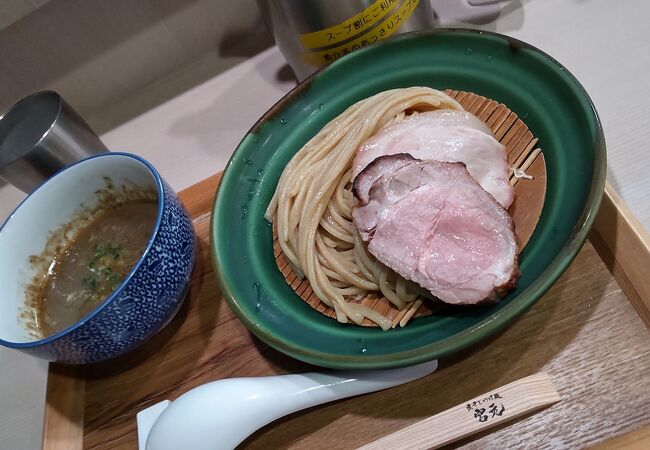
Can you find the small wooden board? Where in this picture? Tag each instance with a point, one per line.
(523, 155)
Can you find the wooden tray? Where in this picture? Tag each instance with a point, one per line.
(583, 332)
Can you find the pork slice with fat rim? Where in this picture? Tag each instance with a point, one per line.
(434, 224)
(448, 136)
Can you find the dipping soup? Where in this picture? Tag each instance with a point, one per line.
(93, 264)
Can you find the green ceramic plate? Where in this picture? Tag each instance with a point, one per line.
(536, 87)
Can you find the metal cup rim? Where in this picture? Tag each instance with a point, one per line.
(13, 107)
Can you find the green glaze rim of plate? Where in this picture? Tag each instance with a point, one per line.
(456, 342)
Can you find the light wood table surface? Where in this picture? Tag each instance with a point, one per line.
(604, 44)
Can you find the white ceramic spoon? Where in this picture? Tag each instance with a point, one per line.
(221, 414)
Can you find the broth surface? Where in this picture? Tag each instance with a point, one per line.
(94, 264)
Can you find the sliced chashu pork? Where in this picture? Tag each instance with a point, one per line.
(432, 223)
(445, 135)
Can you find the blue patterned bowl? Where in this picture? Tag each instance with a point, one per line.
(145, 301)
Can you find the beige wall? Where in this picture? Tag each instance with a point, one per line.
(114, 59)
(13, 10)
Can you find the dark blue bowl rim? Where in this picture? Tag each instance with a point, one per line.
(159, 187)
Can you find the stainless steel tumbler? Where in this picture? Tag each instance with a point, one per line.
(40, 135)
(312, 33)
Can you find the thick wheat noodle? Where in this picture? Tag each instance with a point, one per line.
(401, 290)
(331, 242)
(333, 275)
(343, 199)
(349, 253)
(324, 134)
(344, 267)
(346, 289)
(312, 206)
(352, 291)
(298, 201)
(335, 230)
(390, 295)
(342, 246)
(365, 268)
(362, 257)
(321, 188)
(326, 300)
(334, 217)
(334, 263)
(336, 213)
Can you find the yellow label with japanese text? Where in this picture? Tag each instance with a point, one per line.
(352, 26)
(375, 31)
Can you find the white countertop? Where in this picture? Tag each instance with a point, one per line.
(191, 136)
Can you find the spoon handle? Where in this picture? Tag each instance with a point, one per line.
(310, 389)
(221, 414)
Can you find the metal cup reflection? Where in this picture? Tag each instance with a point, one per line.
(40, 135)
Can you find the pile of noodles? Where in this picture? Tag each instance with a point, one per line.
(313, 201)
